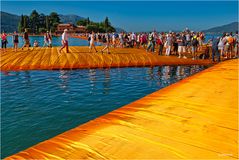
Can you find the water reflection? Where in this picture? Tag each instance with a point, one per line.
(48, 103)
(106, 82)
(93, 80)
(64, 76)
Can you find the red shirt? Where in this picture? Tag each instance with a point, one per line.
(4, 36)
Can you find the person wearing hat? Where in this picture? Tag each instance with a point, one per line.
(64, 41)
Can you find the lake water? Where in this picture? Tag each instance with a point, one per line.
(37, 105)
(56, 41)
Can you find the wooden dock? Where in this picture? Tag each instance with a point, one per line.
(196, 118)
(79, 57)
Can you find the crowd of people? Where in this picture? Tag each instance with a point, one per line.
(26, 39)
(184, 44)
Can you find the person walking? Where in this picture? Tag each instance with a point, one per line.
(64, 41)
(26, 40)
(92, 42)
(107, 44)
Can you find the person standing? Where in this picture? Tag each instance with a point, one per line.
(4, 41)
(160, 44)
(26, 40)
(236, 44)
(92, 42)
(121, 40)
(215, 51)
(150, 42)
(46, 42)
(49, 38)
(15, 41)
(221, 45)
(168, 44)
(114, 40)
(175, 44)
(181, 46)
(64, 41)
(138, 40)
(194, 46)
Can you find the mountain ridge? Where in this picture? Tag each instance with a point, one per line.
(9, 23)
(230, 27)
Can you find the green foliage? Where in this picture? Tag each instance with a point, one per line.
(38, 23)
(82, 22)
(102, 27)
(92, 27)
(42, 30)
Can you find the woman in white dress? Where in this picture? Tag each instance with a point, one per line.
(92, 42)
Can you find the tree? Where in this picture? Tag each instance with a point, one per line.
(34, 21)
(54, 20)
(42, 30)
(25, 22)
(88, 21)
(42, 21)
(106, 23)
(47, 23)
(91, 28)
(21, 24)
(82, 22)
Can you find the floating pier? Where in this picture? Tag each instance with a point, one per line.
(79, 58)
(196, 118)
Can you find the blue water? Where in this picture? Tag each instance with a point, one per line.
(56, 41)
(37, 105)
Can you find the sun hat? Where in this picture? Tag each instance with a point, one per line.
(65, 30)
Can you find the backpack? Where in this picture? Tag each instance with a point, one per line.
(194, 41)
(230, 40)
(159, 42)
(150, 37)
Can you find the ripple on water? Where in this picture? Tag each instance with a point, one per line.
(37, 105)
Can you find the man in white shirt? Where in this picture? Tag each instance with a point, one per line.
(64, 41)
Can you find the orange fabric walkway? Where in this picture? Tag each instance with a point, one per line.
(194, 118)
(79, 57)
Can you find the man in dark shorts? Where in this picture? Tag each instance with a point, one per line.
(26, 40)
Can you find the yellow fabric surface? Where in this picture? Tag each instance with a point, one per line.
(196, 118)
(79, 57)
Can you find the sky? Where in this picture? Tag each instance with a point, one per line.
(138, 15)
